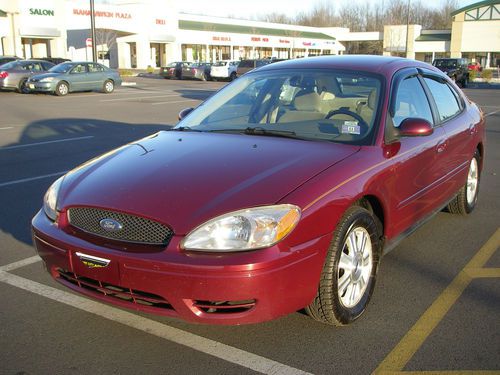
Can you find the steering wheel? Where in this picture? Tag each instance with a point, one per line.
(342, 111)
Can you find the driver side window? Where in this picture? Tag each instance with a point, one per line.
(411, 101)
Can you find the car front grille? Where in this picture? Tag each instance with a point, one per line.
(131, 296)
(133, 228)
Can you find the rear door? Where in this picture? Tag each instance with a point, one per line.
(459, 127)
(96, 76)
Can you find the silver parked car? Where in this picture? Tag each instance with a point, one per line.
(15, 74)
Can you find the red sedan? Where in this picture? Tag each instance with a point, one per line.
(280, 192)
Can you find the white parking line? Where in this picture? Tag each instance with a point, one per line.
(491, 113)
(8, 183)
(7, 127)
(190, 340)
(178, 101)
(139, 98)
(46, 142)
(21, 263)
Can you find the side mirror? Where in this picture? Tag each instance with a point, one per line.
(184, 113)
(415, 127)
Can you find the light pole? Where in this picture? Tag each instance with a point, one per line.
(407, 28)
(92, 28)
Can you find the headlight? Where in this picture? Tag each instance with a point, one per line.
(249, 229)
(50, 199)
(47, 79)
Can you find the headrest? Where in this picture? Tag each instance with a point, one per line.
(308, 102)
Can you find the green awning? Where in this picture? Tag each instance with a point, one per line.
(475, 5)
(237, 29)
(2, 13)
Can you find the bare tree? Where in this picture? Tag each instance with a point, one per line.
(106, 40)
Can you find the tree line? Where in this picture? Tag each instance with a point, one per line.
(368, 17)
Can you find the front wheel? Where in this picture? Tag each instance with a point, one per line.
(108, 87)
(350, 269)
(232, 77)
(23, 86)
(465, 82)
(62, 89)
(466, 199)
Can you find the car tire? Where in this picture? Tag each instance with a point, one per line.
(62, 89)
(23, 88)
(349, 273)
(232, 77)
(465, 201)
(108, 87)
(204, 77)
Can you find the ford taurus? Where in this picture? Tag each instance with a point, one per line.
(280, 192)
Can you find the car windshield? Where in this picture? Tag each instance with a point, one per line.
(311, 104)
(61, 68)
(221, 63)
(445, 63)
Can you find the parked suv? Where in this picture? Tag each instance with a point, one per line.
(456, 69)
(246, 65)
(224, 69)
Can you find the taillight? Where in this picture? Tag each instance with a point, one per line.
(4, 74)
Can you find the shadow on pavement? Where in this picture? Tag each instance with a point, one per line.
(19, 202)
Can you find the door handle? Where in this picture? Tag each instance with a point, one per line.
(441, 146)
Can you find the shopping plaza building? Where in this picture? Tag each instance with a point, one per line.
(139, 34)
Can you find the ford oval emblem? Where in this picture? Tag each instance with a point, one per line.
(110, 225)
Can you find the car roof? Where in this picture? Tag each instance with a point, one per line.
(367, 63)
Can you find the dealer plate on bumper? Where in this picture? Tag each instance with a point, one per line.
(95, 267)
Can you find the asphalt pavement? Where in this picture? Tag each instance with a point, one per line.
(436, 307)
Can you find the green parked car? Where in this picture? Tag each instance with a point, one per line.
(75, 76)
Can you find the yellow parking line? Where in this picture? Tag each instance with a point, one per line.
(483, 272)
(470, 372)
(415, 337)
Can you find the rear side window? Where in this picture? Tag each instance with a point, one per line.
(446, 101)
(411, 102)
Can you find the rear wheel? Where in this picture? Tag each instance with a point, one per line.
(350, 269)
(466, 199)
(108, 87)
(62, 89)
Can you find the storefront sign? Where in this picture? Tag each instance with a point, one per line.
(97, 13)
(41, 12)
(161, 22)
(221, 38)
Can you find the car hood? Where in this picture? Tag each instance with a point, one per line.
(183, 179)
(45, 75)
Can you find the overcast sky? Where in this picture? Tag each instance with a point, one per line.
(249, 8)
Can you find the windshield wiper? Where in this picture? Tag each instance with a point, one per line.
(269, 132)
(257, 131)
(184, 129)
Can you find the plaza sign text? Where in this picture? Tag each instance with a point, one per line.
(86, 12)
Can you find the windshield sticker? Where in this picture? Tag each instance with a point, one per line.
(351, 127)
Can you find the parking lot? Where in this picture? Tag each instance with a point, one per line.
(436, 307)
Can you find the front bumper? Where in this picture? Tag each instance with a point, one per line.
(202, 288)
(41, 86)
